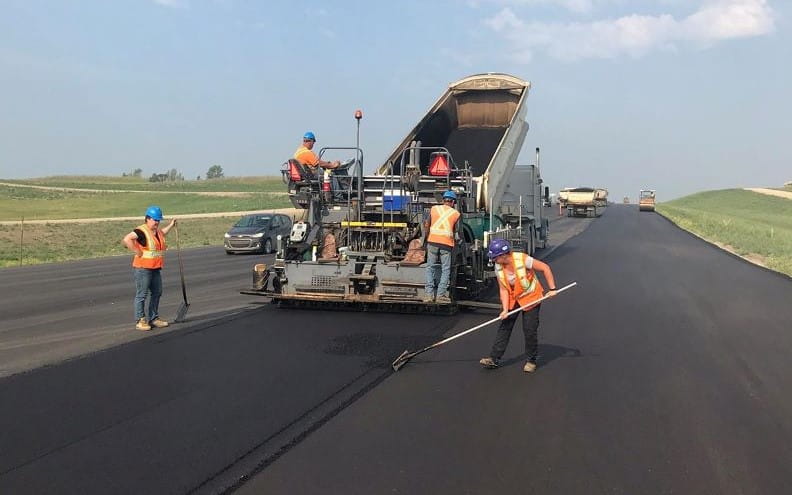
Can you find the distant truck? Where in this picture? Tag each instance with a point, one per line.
(563, 195)
(646, 200)
(626, 200)
(585, 201)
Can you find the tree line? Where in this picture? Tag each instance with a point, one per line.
(172, 175)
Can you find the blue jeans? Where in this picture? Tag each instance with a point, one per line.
(432, 255)
(147, 281)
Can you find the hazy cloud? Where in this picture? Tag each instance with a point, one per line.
(579, 6)
(635, 34)
(174, 4)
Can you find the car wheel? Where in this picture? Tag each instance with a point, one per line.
(268, 246)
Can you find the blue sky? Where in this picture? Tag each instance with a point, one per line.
(675, 95)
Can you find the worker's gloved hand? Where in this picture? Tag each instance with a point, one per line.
(504, 314)
(551, 293)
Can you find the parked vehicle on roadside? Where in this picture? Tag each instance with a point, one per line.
(256, 233)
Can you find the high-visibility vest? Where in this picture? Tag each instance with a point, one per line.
(441, 228)
(526, 286)
(153, 252)
(306, 156)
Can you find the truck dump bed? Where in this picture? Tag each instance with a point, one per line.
(585, 201)
(480, 121)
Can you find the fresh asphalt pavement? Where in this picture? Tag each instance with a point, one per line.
(666, 370)
(53, 312)
(663, 371)
(93, 406)
(184, 409)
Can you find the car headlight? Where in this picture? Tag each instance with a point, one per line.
(260, 234)
(226, 235)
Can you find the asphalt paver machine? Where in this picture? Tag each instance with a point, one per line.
(360, 244)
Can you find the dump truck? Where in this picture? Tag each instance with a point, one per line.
(361, 244)
(563, 196)
(646, 200)
(586, 202)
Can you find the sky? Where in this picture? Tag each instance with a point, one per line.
(679, 96)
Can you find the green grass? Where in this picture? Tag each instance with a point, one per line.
(241, 184)
(38, 204)
(47, 243)
(752, 224)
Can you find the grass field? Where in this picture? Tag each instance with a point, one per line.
(41, 204)
(751, 224)
(47, 243)
(241, 184)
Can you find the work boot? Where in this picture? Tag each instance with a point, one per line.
(142, 324)
(159, 323)
(443, 300)
(529, 367)
(488, 363)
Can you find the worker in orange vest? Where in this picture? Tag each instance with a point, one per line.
(519, 286)
(148, 243)
(441, 227)
(306, 156)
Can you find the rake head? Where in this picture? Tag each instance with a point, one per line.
(401, 360)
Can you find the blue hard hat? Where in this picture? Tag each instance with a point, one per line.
(450, 195)
(498, 247)
(155, 213)
(309, 135)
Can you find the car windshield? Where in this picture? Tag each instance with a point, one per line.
(253, 221)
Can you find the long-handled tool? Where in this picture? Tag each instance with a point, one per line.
(407, 355)
(184, 305)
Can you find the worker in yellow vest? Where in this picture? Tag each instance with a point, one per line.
(441, 227)
(518, 286)
(148, 243)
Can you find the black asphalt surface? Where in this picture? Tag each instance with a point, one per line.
(58, 311)
(664, 371)
(167, 414)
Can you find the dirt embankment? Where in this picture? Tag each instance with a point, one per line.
(771, 192)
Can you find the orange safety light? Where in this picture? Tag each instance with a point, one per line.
(358, 114)
(439, 165)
